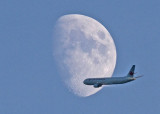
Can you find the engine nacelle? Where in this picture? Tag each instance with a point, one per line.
(97, 85)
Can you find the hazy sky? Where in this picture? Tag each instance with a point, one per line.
(29, 82)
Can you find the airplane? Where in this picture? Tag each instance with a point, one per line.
(98, 82)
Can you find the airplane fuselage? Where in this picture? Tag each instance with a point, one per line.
(108, 81)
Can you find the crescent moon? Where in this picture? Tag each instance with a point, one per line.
(82, 48)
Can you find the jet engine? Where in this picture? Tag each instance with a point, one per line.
(97, 85)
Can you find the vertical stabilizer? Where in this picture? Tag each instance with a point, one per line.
(131, 72)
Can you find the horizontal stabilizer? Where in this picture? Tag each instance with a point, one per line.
(139, 76)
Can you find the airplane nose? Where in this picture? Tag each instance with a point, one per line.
(84, 81)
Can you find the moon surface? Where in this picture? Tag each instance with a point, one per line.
(82, 48)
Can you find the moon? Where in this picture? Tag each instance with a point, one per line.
(82, 48)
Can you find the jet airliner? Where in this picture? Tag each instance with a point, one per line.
(98, 82)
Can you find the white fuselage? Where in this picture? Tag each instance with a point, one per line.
(108, 81)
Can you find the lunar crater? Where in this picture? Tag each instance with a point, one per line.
(101, 35)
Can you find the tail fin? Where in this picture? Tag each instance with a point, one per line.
(131, 72)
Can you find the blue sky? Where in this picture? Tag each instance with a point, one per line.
(29, 81)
